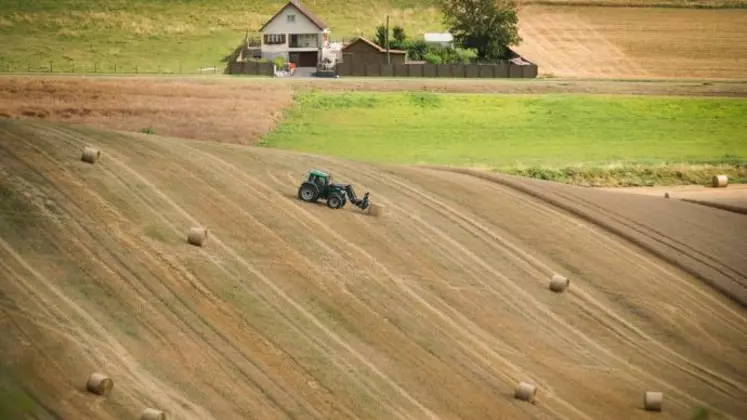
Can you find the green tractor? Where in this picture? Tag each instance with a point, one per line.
(319, 185)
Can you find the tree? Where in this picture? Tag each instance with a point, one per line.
(487, 26)
(398, 33)
(380, 36)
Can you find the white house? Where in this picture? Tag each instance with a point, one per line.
(444, 39)
(296, 34)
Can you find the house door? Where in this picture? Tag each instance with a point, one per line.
(307, 58)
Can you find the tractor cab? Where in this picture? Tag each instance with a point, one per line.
(320, 179)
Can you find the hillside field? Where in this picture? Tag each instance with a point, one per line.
(193, 37)
(437, 309)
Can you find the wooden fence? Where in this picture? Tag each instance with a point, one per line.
(252, 67)
(498, 70)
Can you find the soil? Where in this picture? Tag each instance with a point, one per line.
(438, 308)
(733, 197)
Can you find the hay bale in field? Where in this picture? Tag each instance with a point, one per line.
(152, 414)
(90, 154)
(720, 181)
(558, 283)
(666, 195)
(525, 392)
(652, 400)
(197, 236)
(376, 209)
(100, 384)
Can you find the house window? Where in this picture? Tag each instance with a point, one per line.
(274, 39)
(291, 18)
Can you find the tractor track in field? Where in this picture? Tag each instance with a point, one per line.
(630, 333)
(195, 222)
(155, 211)
(293, 310)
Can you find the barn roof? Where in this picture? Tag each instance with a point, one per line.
(374, 45)
(316, 20)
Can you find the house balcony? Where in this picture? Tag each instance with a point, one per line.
(304, 41)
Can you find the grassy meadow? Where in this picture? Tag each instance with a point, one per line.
(584, 139)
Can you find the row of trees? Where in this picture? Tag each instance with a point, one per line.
(483, 31)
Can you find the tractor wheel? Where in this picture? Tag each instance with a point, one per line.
(308, 192)
(334, 201)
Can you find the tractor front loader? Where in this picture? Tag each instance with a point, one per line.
(319, 186)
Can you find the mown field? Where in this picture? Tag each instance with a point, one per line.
(685, 4)
(591, 140)
(194, 37)
(598, 42)
(204, 109)
(295, 310)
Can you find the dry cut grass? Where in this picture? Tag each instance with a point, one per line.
(635, 42)
(231, 113)
(701, 4)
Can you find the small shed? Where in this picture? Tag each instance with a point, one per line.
(363, 51)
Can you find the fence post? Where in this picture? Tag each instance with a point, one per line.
(50, 67)
(115, 68)
(73, 64)
(136, 72)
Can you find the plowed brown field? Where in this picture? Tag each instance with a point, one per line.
(294, 310)
(635, 43)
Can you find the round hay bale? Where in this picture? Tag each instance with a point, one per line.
(100, 384)
(652, 400)
(558, 283)
(666, 195)
(152, 414)
(720, 181)
(90, 154)
(376, 210)
(525, 391)
(197, 236)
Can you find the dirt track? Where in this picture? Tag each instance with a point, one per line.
(437, 309)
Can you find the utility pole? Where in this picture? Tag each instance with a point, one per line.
(388, 56)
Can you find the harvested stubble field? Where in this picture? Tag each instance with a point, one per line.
(436, 309)
(687, 4)
(600, 42)
(204, 109)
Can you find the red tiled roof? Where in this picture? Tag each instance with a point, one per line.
(374, 45)
(301, 8)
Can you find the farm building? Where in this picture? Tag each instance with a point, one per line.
(441, 39)
(296, 34)
(364, 51)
